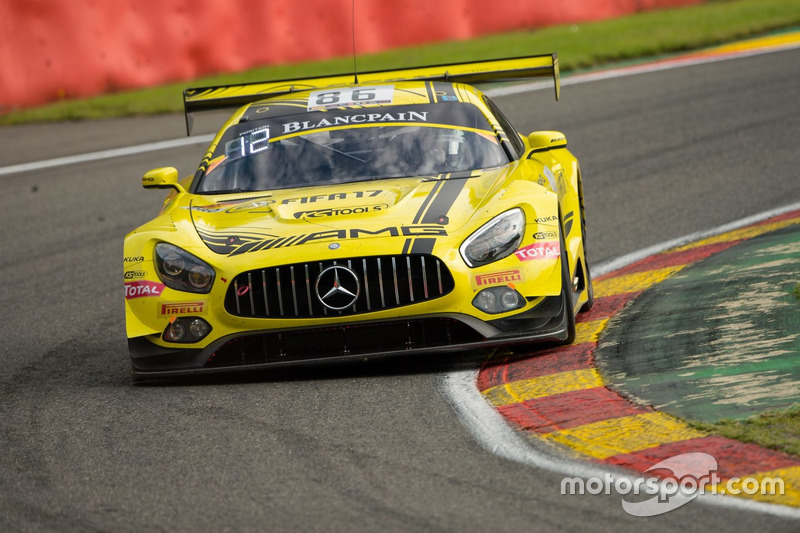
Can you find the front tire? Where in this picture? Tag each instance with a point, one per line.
(566, 292)
(588, 276)
(589, 291)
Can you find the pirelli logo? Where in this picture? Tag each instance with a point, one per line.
(495, 278)
(183, 308)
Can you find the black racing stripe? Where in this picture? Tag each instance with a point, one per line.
(290, 241)
(460, 94)
(546, 149)
(568, 220)
(406, 246)
(276, 243)
(241, 235)
(415, 92)
(444, 89)
(423, 246)
(218, 249)
(429, 88)
(444, 200)
(462, 174)
(262, 245)
(464, 96)
(214, 239)
(243, 249)
(427, 201)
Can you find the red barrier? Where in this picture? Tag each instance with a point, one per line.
(51, 49)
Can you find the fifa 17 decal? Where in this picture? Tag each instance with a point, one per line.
(539, 250)
(331, 197)
(267, 202)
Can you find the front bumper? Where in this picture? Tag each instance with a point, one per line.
(356, 341)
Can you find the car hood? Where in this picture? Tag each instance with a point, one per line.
(367, 209)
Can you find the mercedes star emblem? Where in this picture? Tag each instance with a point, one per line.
(338, 287)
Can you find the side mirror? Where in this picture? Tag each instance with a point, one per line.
(162, 178)
(541, 141)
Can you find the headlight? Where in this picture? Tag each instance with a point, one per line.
(495, 240)
(182, 271)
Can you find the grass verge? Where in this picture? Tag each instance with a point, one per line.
(775, 429)
(579, 46)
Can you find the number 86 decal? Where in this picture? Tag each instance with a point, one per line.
(325, 99)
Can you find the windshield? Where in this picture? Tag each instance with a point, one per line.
(309, 149)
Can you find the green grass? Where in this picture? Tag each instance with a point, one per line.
(775, 429)
(796, 292)
(578, 46)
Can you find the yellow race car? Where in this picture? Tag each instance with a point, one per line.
(356, 216)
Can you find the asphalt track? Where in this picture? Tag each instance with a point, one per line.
(344, 448)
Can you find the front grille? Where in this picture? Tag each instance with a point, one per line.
(386, 282)
(336, 341)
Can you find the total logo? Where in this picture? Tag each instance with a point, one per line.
(139, 289)
(539, 250)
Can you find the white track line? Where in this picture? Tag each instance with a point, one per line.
(658, 66)
(494, 434)
(589, 77)
(106, 154)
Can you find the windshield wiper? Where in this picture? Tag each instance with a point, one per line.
(227, 191)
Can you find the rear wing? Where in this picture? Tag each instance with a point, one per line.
(496, 70)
